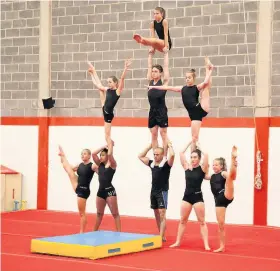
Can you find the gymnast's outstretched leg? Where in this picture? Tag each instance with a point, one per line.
(68, 168)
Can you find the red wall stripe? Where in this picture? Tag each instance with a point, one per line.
(262, 131)
(19, 121)
(260, 196)
(143, 122)
(274, 122)
(43, 164)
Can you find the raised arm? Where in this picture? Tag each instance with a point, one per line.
(152, 29)
(171, 154)
(206, 80)
(113, 163)
(150, 64)
(95, 79)
(121, 84)
(183, 159)
(166, 74)
(205, 162)
(142, 155)
(95, 155)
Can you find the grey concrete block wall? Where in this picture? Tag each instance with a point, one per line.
(19, 57)
(103, 34)
(101, 31)
(275, 76)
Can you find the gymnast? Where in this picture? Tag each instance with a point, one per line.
(193, 197)
(160, 25)
(222, 187)
(158, 113)
(81, 181)
(109, 96)
(160, 183)
(106, 167)
(190, 94)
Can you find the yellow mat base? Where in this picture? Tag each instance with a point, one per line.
(96, 245)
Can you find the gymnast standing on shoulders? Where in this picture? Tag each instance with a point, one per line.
(158, 113)
(197, 110)
(109, 95)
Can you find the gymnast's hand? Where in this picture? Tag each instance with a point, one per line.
(165, 49)
(91, 68)
(128, 62)
(152, 51)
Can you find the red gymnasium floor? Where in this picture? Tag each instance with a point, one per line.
(248, 248)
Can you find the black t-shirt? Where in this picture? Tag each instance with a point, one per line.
(156, 97)
(160, 177)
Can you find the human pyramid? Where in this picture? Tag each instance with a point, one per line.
(222, 185)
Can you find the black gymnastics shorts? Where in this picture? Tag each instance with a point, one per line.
(158, 117)
(159, 199)
(108, 117)
(193, 198)
(82, 192)
(197, 112)
(221, 200)
(106, 192)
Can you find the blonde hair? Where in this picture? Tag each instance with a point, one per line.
(88, 151)
(160, 148)
(192, 71)
(222, 162)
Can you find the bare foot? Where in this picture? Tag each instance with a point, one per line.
(208, 63)
(207, 248)
(175, 245)
(138, 38)
(61, 152)
(234, 152)
(220, 249)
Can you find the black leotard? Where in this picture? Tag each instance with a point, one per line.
(105, 176)
(217, 183)
(158, 26)
(190, 96)
(111, 100)
(194, 180)
(85, 174)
